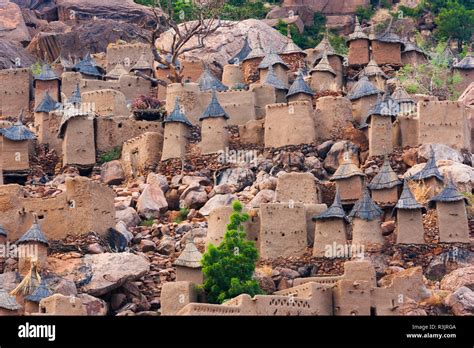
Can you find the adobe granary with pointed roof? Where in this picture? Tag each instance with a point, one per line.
(406, 104)
(75, 98)
(14, 143)
(208, 82)
(430, 176)
(116, 72)
(143, 65)
(242, 54)
(323, 76)
(88, 68)
(280, 87)
(412, 54)
(330, 228)
(380, 119)
(46, 80)
(366, 220)
(188, 264)
(409, 218)
(384, 186)
(375, 74)
(32, 246)
(349, 180)
(387, 48)
(272, 60)
(359, 46)
(363, 96)
(214, 133)
(452, 217)
(292, 54)
(335, 60)
(466, 69)
(176, 133)
(299, 90)
(251, 61)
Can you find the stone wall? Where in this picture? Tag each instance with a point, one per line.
(127, 55)
(141, 153)
(84, 206)
(106, 102)
(112, 132)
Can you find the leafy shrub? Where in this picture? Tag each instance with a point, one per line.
(183, 215)
(311, 35)
(365, 12)
(112, 155)
(229, 267)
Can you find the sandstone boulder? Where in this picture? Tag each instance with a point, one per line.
(226, 42)
(111, 173)
(441, 152)
(194, 197)
(335, 156)
(12, 24)
(264, 196)
(458, 278)
(461, 301)
(217, 201)
(93, 306)
(128, 216)
(158, 179)
(239, 177)
(152, 201)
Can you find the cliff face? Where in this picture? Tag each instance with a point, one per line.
(329, 7)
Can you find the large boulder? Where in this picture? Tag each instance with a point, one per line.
(461, 301)
(128, 216)
(11, 53)
(87, 37)
(227, 41)
(461, 174)
(460, 277)
(217, 201)
(335, 156)
(99, 274)
(111, 173)
(239, 177)
(194, 197)
(119, 10)
(152, 202)
(441, 152)
(12, 24)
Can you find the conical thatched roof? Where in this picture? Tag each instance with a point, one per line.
(449, 194)
(335, 211)
(467, 63)
(385, 179)
(116, 72)
(299, 86)
(47, 104)
(346, 170)
(87, 66)
(76, 96)
(430, 170)
(410, 47)
(177, 115)
(40, 293)
(384, 107)
(242, 54)
(190, 256)
(407, 200)
(363, 88)
(365, 208)
(214, 109)
(7, 301)
(372, 69)
(34, 234)
(358, 34)
(46, 74)
(272, 80)
(271, 59)
(324, 65)
(400, 95)
(208, 82)
(257, 51)
(17, 132)
(142, 64)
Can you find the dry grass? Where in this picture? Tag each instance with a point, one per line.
(420, 190)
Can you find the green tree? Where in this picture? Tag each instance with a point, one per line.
(311, 35)
(456, 22)
(228, 268)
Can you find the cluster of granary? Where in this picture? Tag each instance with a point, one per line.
(275, 110)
